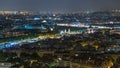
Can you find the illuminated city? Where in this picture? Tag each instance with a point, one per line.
(58, 37)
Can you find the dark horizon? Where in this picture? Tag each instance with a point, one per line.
(59, 5)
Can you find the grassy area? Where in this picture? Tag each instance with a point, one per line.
(5, 56)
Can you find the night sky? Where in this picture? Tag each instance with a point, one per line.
(59, 5)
